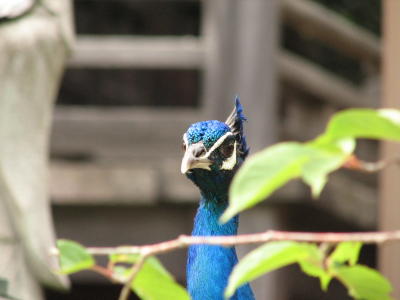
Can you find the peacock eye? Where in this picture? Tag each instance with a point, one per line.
(183, 146)
(227, 149)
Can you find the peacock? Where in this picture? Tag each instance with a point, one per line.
(213, 152)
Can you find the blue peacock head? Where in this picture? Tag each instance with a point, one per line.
(214, 150)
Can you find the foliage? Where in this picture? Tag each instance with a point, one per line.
(151, 275)
(259, 177)
(74, 258)
(270, 169)
(361, 281)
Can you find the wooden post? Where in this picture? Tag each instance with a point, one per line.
(256, 68)
(218, 33)
(389, 206)
(241, 39)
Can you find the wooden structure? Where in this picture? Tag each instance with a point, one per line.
(389, 203)
(122, 176)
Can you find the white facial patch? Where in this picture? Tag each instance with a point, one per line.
(185, 140)
(218, 143)
(230, 162)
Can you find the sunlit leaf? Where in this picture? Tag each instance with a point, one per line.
(323, 159)
(266, 258)
(262, 174)
(73, 257)
(365, 123)
(364, 283)
(346, 252)
(313, 265)
(153, 282)
(270, 169)
(315, 270)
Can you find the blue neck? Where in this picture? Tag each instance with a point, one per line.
(209, 267)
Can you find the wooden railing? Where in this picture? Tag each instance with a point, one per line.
(114, 134)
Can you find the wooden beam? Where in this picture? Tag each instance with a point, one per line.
(120, 156)
(136, 183)
(137, 52)
(107, 133)
(321, 23)
(389, 206)
(312, 79)
(318, 21)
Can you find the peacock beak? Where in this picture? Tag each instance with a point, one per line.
(194, 158)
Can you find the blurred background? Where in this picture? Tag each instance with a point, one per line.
(143, 71)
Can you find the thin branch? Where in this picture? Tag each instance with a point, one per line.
(106, 272)
(356, 164)
(268, 236)
(134, 271)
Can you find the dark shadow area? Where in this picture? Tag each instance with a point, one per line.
(87, 292)
(137, 17)
(102, 87)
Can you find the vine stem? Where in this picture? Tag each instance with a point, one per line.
(134, 271)
(354, 163)
(184, 241)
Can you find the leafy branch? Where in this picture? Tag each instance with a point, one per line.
(313, 161)
(81, 258)
(322, 255)
(183, 241)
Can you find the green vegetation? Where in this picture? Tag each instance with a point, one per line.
(259, 177)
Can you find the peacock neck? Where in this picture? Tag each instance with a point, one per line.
(206, 221)
(209, 267)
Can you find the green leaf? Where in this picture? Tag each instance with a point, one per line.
(153, 282)
(270, 169)
(346, 252)
(365, 123)
(74, 257)
(152, 275)
(266, 258)
(364, 283)
(313, 265)
(316, 270)
(262, 174)
(324, 159)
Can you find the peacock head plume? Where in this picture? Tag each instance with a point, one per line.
(214, 150)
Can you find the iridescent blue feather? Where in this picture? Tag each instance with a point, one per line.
(209, 267)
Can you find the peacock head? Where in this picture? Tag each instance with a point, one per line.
(214, 150)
